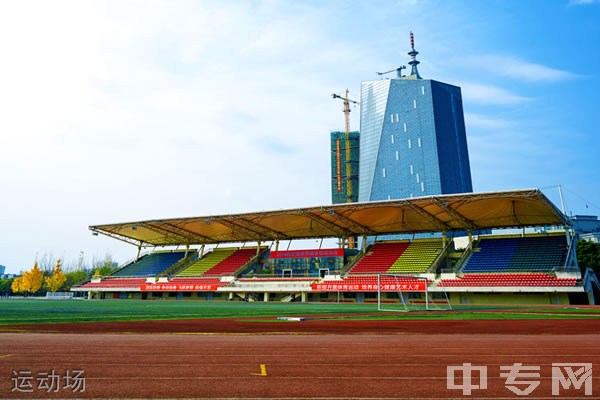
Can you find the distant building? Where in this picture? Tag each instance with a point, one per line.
(344, 186)
(587, 227)
(591, 237)
(585, 224)
(413, 140)
(4, 275)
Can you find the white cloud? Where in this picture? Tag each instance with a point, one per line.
(482, 93)
(509, 66)
(119, 111)
(477, 121)
(582, 2)
(155, 110)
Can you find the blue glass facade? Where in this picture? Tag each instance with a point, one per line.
(413, 140)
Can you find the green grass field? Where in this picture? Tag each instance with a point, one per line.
(51, 311)
(33, 311)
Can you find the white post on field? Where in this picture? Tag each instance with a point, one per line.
(426, 294)
(379, 292)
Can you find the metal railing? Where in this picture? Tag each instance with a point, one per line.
(250, 261)
(129, 262)
(179, 265)
(463, 259)
(440, 257)
(354, 260)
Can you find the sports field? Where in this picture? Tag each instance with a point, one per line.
(62, 311)
(141, 349)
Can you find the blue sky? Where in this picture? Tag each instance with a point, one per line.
(120, 111)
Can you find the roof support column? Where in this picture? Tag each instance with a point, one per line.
(364, 244)
(470, 239)
(258, 248)
(138, 252)
(444, 239)
(277, 245)
(202, 250)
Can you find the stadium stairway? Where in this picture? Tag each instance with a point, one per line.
(237, 260)
(380, 259)
(180, 265)
(221, 262)
(208, 261)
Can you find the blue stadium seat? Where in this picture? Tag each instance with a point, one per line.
(152, 264)
(518, 254)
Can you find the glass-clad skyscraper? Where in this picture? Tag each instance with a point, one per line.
(413, 140)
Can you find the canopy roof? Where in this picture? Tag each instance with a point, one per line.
(443, 213)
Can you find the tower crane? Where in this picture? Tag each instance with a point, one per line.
(349, 190)
(397, 70)
(347, 102)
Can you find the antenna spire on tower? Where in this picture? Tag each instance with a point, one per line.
(414, 72)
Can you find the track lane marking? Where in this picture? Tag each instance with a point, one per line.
(263, 371)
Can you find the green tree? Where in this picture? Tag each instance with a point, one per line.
(5, 286)
(74, 277)
(588, 255)
(105, 270)
(104, 267)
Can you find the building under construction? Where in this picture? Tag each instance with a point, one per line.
(344, 186)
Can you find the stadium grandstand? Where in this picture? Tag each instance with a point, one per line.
(517, 266)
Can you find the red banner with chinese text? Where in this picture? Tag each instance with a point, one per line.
(307, 253)
(413, 286)
(178, 287)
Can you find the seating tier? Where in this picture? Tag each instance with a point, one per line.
(381, 258)
(418, 257)
(151, 264)
(232, 263)
(207, 262)
(116, 283)
(507, 279)
(526, 254)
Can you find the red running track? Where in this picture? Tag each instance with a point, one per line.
(297, 366)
